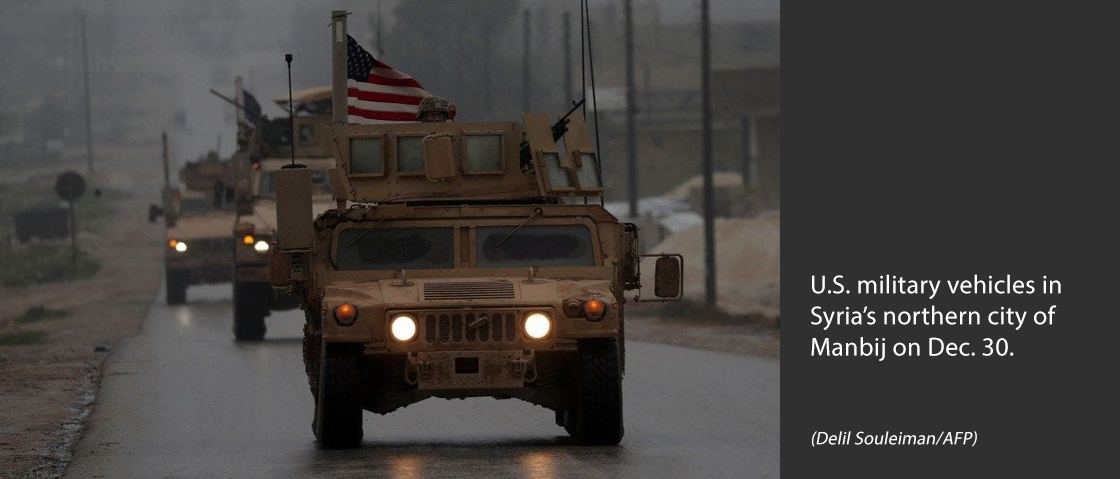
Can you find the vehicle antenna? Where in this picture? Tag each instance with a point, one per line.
(291, 107)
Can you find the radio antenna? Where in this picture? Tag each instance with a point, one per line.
(291, 107)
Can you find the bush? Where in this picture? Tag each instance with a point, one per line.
(43, 263)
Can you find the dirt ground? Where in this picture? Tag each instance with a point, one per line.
(47, 389)
(740, 336)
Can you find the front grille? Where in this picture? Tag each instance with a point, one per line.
(452, 328)
(210, 246)
(451, 290)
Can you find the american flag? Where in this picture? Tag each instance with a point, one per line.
(377, 93)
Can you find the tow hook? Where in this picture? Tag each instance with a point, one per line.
(424, 369)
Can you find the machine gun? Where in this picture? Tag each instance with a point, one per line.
(558, 130)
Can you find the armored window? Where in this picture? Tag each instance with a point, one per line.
(306, 134)
(410, 155)
(395, 248)
(545, 246)
(557, 174)
(366, 155)
(483, 152)
(195, 206)
(588, 172)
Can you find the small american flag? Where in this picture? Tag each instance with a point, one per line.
(377, 93)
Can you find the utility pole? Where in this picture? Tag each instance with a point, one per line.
(631, 159)
(166, 164)
(647, 101)
(709, 193)
(746, 142)
(89, 114)
(380, 49)
(567, 55)
(525, 99)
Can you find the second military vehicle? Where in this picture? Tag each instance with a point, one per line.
(266, 148)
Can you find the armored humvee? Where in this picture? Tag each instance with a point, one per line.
(269, 148)
(462, 260)
(197, 218)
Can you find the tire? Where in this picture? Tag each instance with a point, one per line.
(338, 405)
(312, 352)
(597, 418)
(176, 287)
(250, 305)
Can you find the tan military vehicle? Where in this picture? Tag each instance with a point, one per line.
(255, 227)
(197, 218)
(198, 244)
(460, 262)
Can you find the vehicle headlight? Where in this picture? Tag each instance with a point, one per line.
(403, 328)
(261, 246)
(537, 325)
(180, 246)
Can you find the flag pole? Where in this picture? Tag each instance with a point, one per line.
(338, 67)
(239, 99)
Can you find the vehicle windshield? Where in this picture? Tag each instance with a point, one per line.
(195, 206)
(382, 248)
(549, 245)
(395, 248)
(320, 183)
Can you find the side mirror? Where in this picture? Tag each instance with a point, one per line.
(154, 212)
(439, 160)
(667, 277)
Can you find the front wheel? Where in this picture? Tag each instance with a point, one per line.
(250, 305)
(597, 417)
(338, 404)
(176, 287)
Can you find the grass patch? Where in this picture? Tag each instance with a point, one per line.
(43, 263)
(36, 192)
(38, 313)
(90, 211)
(23, 338)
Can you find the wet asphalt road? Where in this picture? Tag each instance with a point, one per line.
(184, 400)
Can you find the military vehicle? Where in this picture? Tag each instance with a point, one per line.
(197, 218)
(266, 149)
(464, 262)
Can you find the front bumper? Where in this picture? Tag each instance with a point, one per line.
(252, 273)
(455, 370)
(201, 270)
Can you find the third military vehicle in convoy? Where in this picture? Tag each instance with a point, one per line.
(197, 217)
(462, 260)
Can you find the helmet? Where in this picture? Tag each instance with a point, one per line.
(434, 108)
